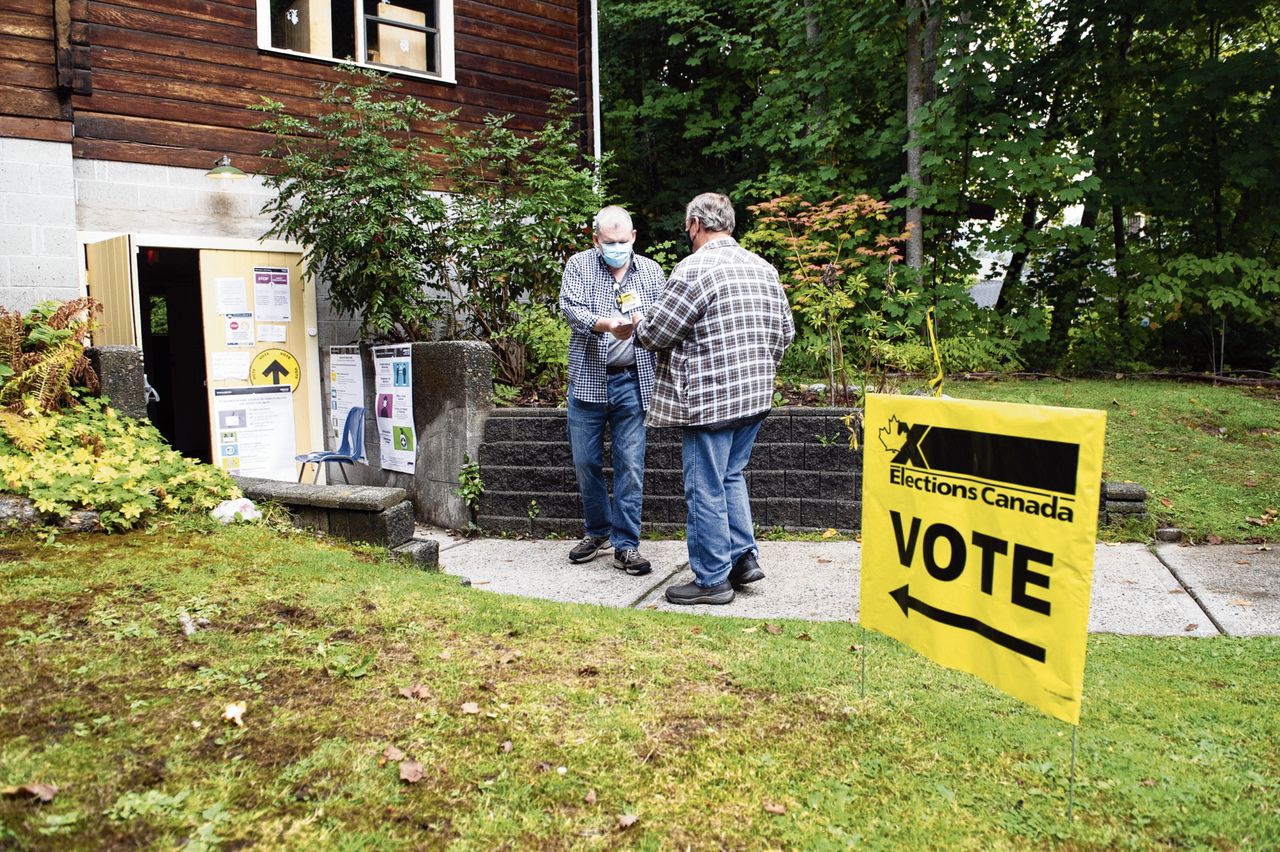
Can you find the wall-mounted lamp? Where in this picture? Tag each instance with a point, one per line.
(223, 170)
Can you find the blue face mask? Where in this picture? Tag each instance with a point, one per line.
(616, 254)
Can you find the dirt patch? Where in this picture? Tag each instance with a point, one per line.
(10, 555)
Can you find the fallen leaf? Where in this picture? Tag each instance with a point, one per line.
(1166, 502)
(1249, 483)
(418, 691)
(590, 798)
(1190, 627)
(35, 790)
(1240, 602)
(695, 630)
(1262, 548)
(1242, 562)
(823, 561)
(588, 671)
(652, 606)
(509, 657)
(855, 648)
(627, 820)
(773, 629)
(772, 808)
(391, 753)
(471, 708)
(750, 629)
(1133, 413)
(543, 766)
(411, 771)
(1213, 539)
(444, 655)
(506, 747)
(235, 713)
(479, 582)
(804, 637)
(829, 532)
(1148, 782)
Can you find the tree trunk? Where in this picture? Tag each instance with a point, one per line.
(915, 95)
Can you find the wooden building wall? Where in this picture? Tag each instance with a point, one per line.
(167, 82)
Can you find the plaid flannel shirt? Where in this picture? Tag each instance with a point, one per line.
(720, 329)
(586, 294)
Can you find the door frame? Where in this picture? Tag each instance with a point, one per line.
(315, 408)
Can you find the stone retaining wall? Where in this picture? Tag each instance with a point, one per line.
(802, 474)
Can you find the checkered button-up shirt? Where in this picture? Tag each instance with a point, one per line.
(720, 329)
(587, 293)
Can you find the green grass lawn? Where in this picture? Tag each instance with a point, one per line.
(1210, 456)
(550, 726)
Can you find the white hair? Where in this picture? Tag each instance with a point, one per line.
(613, 216)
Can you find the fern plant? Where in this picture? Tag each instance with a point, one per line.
(42, 354)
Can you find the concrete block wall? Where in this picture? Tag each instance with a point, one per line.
(137, 198)
(802, 474)
(39, 255)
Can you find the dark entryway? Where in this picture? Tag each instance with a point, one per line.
(173, 347)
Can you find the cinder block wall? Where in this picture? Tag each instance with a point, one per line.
(38, 250)
(802, 474)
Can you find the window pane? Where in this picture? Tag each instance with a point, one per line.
(316, 27)
(402, 35)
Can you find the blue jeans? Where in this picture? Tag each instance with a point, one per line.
(719, 522)
(618, 519)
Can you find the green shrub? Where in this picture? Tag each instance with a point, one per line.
(89, 457)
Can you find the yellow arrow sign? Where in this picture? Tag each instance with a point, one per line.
(978, 528)
(275, 367)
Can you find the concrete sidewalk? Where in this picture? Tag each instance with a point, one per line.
(1169, 591)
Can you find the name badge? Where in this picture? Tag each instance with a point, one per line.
(628, 302)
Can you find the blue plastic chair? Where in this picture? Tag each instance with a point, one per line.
(347, 453)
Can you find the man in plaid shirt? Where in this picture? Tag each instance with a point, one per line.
(720, 329)
(610, 383)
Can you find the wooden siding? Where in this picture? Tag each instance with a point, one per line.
(31, 106)
(168, 83)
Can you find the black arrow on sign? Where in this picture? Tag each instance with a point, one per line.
(275, 371)
(966, 622)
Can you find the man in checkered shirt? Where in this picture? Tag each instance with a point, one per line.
(610, 383)
(720, 329)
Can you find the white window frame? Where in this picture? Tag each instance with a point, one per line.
(444, 15)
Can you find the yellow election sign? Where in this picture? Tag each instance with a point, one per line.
(978, 532)
(275, 367)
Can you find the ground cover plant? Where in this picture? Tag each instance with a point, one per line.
(526, 724)
(1210, 456)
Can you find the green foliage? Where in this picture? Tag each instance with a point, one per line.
(42, 354)
(523, 206)
(470, 484)
(90, 457)
(544, 334)
(353, 186)
(152, 803)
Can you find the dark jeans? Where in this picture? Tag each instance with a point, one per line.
(719, 522)
(618, 519)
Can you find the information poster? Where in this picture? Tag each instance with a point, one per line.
(978, 533)
(239, 329)
(231, 296)
(393, 388)
(346, 388)
(271, 302)
(255, 431)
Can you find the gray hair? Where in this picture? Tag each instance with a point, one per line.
(713, 210)
(613, 216)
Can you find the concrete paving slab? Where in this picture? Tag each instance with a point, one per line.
(1134, 594)
(815, 581)
(1239, 584)
(541, 569)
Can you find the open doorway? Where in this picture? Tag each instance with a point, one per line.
(173, 347)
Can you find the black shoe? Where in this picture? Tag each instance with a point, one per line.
(629, 559)
(586, 550)
(692, 593)
(746, 570)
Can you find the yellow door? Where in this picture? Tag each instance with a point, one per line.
(110, 267)
(259, 332)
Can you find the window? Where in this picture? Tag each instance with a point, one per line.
(414, 36)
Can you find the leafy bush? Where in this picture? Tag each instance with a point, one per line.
(90, 457)
(42, 354)
(353, 186)
(523, 207)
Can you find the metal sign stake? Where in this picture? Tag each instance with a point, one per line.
(1071, 788)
